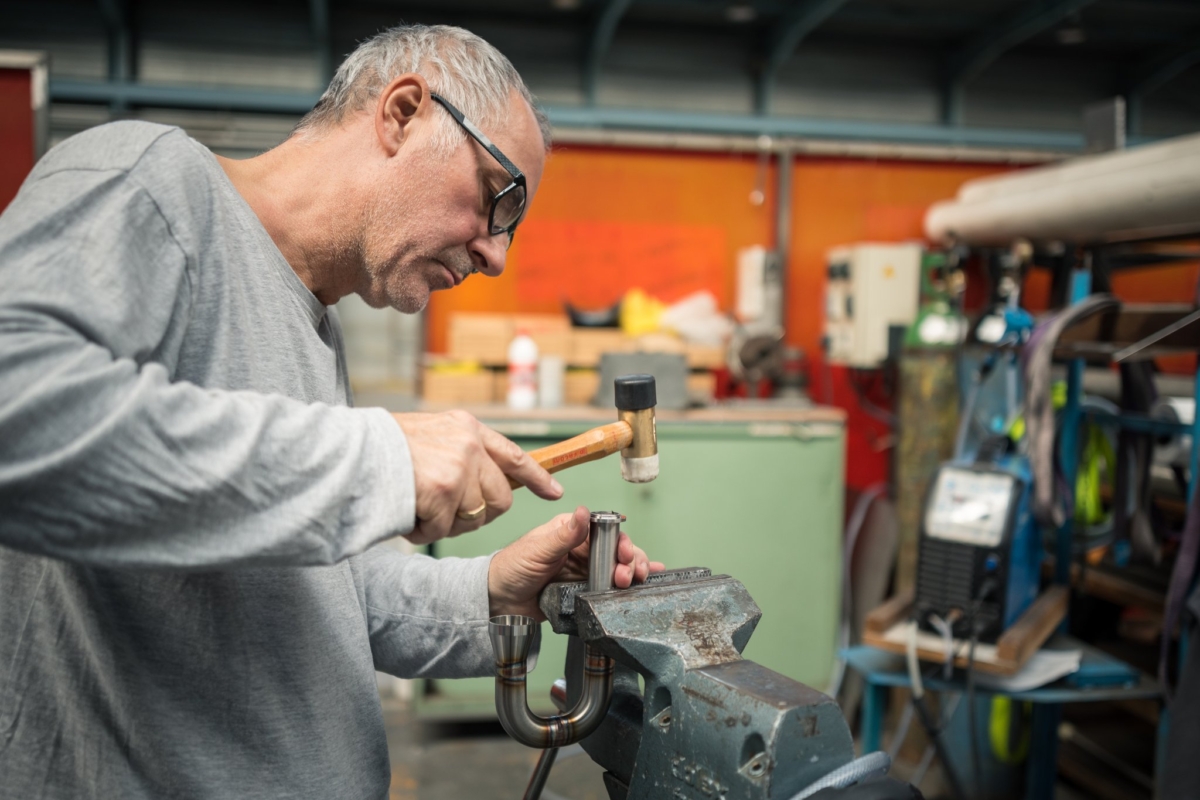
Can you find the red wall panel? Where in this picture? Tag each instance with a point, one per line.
(16, 131)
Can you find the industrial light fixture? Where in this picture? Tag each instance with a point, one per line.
(565, 5)
(740, 12)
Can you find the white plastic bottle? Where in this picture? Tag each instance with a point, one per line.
(522, 372)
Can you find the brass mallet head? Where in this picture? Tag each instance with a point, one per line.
(635, 407)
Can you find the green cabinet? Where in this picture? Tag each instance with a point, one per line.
(758, 499)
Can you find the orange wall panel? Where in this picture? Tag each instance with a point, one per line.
(606, 220)
(1175, 283)
(843, 201)
(1170, 283)
(667, 260)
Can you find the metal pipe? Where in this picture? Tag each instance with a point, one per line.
(742, 143)
(603, 531)
(1135, 193)
(541, 771)
(748, 125)
(777, 313)
(512, 637)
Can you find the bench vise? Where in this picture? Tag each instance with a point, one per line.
(709, 725)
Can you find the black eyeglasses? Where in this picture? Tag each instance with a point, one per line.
(509, 203)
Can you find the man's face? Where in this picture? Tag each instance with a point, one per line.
(428, 227)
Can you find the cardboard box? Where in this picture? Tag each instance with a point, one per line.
(485, 337)
(588, 344)
(551, 332)
(499, 385)
(659, 343)
(553, 343)
(704, 357)
(701, 387)
(457, 388)
(579, 386)
(698, 356)
(480, 337)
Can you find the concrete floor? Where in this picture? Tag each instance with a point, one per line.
(465, 761)
(477, 760)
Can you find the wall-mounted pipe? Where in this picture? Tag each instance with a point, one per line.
(596, 119)
(512, 637)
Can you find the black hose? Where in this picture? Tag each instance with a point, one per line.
(985, 588)
(935, 736)
(977, 772)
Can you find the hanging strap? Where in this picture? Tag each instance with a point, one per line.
(1181, 581)
(1184, 572)
(1039, 404)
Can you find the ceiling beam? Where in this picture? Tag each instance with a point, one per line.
(598, 44)
(1152, 72)
(804, 17)
(190, 97)
(298, 103)
(318, 13)
(978, 52)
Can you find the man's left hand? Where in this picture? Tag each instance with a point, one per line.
(556, 551)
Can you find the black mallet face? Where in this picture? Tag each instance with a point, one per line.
(636, 398)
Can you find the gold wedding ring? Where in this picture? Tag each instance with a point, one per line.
(471, 516)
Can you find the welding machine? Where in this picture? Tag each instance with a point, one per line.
(980, 550)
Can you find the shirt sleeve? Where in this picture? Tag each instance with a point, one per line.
(428, 617)
(108, 462)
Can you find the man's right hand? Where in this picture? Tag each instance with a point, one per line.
(459, 466)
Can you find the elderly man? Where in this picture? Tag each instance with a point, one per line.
(190, 601)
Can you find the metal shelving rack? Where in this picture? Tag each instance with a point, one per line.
(1128, 334)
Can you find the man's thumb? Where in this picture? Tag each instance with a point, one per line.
(570, 532)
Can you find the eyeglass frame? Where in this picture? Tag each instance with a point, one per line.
(518, 177)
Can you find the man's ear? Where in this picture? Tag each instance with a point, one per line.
(403, 106)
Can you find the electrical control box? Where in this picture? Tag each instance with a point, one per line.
(870, 288)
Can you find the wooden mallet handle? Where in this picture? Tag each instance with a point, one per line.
(594, 444)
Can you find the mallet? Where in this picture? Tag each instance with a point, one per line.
(634, 434)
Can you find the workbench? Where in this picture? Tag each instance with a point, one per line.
(756, 493)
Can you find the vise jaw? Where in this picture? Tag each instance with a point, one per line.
(709, 725)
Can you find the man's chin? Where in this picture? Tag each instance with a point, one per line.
(406, 302)
(411, 305)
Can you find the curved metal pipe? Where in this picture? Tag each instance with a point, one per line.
(512, 707)
(512, 637)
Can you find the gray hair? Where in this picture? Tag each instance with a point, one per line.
(457, 64)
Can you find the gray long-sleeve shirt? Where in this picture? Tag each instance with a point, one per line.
(191, 604)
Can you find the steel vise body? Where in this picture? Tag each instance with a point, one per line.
(709, 725)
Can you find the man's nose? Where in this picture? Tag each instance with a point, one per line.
(488, 254)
